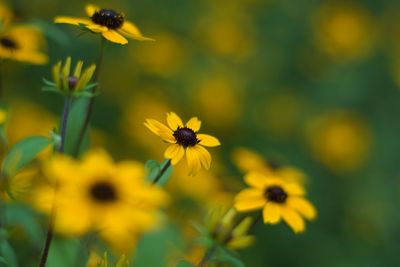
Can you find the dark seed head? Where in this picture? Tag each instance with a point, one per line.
(8, 43)
(109, 18)
(275, 194)
(186, 137)
(103, 192)
(72, 81)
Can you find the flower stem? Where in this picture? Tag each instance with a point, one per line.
(207, 256)
(89, 109)
(162, 171)
(50, 228)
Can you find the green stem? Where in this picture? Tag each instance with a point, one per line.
(207, 256)
(64, 122)
(89, 109)
(162, 171)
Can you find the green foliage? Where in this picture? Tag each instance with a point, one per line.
(185, 264)
(22, 153)
(7, 253)
(154, 169)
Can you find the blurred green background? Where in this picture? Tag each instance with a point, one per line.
(312, 83)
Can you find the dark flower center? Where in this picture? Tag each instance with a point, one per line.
(103, 192)
(72, 81)
(186, 137)
(109, 18)
(8, 43)
(275, 194)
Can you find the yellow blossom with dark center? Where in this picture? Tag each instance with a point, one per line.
(23, 43)
(278, 199)
(111, 24)
(184, 139)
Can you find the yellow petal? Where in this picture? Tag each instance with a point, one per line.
(129, 29)
(78, 69)
(157, 127)
(97, 28)
(241, 242)
(271, 213)
(255, 179)
(90, 9)
(249, 194)
(204, 156)
(174, 152)
(293, 219)
(65, 72)
(302, 206)
(249, 205)
(72, 20)
(115, 37)
(193, 161)
(85, 78)
(194, 124)
(294, 189)
(208, 140)
(174, 121)
(56, 73)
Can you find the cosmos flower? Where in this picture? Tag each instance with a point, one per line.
(23, 43)
(184, 139)
(111, 24)
(111, 199)
(278, 199)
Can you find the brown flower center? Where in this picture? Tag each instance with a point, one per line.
(103, 192)
(108, 18)
(185, 137)
(8, 43)
(72, 82)
(275, 194)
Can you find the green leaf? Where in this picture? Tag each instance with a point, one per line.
(223, 255)
(8, 253)
(154, 168)
(22, 153)
(185, 264)
(65, 252)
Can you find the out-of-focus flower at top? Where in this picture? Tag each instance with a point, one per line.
(23, 43)
(344, 31)
(111, 24)
(250, 161)
(71, 84)
(278, 200)
(111, 199)
(340, 140)
(6, 15)
(184, 139)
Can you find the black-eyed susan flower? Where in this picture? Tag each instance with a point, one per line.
(184, 139)
(112, 199)
(278, 200)
(111, 24)
(74, 83)
(23, 43)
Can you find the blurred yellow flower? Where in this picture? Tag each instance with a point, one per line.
(184, 139)
(111, 24)
(249, 161)
(278, 200)
(110, 198)
(3, 116)
(23, 43)
(344, 31)
(6, 15)
(20, 186)
(340, 140)
(72, 82)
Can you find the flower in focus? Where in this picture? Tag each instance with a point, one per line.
(107, 22)
(109, 198)
(23, 43)
(184, 139)
(278, 200)
(250, 161)
(71, 83)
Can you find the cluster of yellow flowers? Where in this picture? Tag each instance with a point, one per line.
(119, 202)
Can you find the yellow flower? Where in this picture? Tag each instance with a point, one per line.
(109, 198)
(6, 15)
(107, 22)
(3, 116)
(278, 199)
(71, 82)
(250, 161)
(23, 43)
(184, 139)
